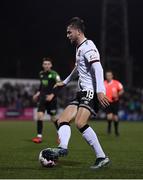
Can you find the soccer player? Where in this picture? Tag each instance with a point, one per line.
(114, 89)
(91, 92)
(48, 78)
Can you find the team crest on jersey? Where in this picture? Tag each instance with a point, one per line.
(93, 57)
(45, 82)
(50, 76)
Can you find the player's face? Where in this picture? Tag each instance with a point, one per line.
(72, 34)
(109, 76)
(47, 65)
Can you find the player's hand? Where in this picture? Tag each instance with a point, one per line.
(114, 98)
(103, 99)
(35, 97)
(49, 97)
(59, 84)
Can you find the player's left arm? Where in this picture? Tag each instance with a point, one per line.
(100, 88)
(93, 58)
(120, 89)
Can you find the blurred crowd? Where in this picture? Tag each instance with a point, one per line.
(19, 96)
(131, 104)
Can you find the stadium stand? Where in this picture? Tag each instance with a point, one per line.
(19, 95)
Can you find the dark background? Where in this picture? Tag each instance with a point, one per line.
(33, 29)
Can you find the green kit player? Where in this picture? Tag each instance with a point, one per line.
(48, 78)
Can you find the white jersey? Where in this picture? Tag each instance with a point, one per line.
(88, 68)
(86, 54)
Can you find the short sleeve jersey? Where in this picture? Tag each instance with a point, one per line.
(47, 81)
(86, 53)
(112, 89)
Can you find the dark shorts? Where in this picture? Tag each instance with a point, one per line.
(49, 107)
(86, 99)
(113, 108)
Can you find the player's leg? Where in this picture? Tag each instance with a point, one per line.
(40, 117)
(54, 120)
(51, 108)
(90, 136)
(115, 118)
(109, 112)
(64, 131)
(68, 115)
(109, 121)
(116, 124)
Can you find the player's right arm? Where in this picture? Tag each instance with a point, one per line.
(36, 96)
(72, 75)
(61, 84)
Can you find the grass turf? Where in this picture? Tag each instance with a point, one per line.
(19, 155)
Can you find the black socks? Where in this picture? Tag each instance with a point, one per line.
(39, 127)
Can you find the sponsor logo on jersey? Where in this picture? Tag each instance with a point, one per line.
(45, 82)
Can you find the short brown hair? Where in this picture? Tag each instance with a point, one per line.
(78, 23)
(47, 59)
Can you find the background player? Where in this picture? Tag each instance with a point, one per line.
(114, 89)
(48, 78)
(91, 93)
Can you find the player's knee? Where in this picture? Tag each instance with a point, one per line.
(83, 128)
(110, 117)
(60, 124)
(79, 124)
(116, 118)
(40, 116)
(64, 118)
(60, 121)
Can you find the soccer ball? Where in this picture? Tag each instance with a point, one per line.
(47, 158)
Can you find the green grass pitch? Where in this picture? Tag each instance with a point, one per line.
(19, 155)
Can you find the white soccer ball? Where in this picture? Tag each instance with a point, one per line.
(45, 162)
